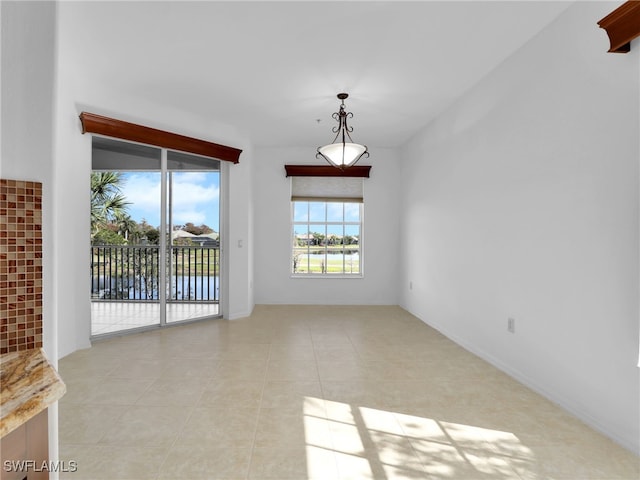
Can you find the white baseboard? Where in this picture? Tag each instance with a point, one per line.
(528, 382)
(237, 315)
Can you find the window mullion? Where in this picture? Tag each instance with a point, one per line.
(326, 233)
(344, 259)
(308, 232)
(329, 248)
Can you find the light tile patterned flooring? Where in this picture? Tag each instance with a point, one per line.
(305, 392)
(111, 317)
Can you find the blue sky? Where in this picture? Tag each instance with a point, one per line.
(195, 197)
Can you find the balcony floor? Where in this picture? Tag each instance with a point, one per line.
(112, 317)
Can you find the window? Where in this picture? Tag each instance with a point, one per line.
(326, 226)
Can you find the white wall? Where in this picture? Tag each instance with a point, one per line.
(237, 244)
(27, 85)
(272, 236)
(73, 166)
(28, 64)
(522, 201)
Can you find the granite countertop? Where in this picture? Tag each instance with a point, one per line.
(28, 385)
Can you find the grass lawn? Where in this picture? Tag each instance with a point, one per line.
(331, 263)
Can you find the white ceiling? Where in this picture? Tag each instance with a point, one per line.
(273, 68)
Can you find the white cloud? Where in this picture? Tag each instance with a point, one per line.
(194, 198)
(188, 193)
(143, 191)
(184, 216)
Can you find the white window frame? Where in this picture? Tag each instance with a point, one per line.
(327, 223)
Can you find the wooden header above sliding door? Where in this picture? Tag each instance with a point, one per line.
(111, 127)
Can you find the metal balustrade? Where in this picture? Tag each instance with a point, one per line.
(132, 273)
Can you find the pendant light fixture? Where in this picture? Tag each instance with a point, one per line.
(342, 152)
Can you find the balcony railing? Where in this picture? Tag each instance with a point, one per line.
(132, 273)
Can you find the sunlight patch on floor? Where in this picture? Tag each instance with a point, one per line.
(370, 443)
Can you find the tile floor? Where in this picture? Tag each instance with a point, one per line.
(111, 317)
(304, 392)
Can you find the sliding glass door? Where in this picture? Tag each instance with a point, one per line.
(155, 230)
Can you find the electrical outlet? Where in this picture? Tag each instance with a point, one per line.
(511, 325)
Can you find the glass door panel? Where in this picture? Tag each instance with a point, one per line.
(194, 251)
(125, 219)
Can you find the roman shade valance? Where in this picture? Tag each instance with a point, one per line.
(327, 189)
(324, 183)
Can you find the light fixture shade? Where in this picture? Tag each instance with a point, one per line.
(342, 155)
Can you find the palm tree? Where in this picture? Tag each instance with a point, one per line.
(127, 227)
(107, 201)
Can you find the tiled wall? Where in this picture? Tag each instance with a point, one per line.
(20, 265)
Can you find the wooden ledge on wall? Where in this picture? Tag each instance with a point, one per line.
(111, 127)
(327, 171)
(622, 25)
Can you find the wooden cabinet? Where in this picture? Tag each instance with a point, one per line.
(25, 450)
